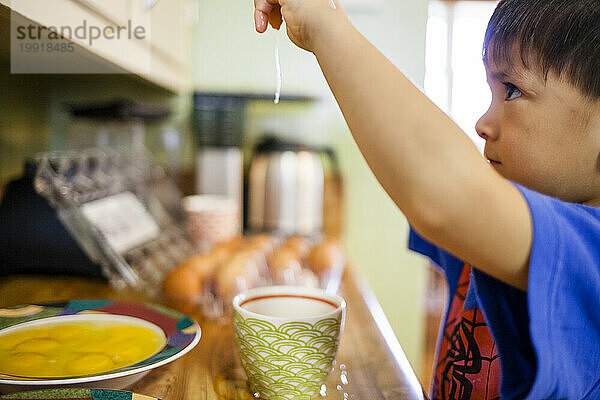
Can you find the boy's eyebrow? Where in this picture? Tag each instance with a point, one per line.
(510, 75)
(523, 79)
(500, 75)
(513, 75)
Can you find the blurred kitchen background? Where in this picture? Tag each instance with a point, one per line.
(208, 101)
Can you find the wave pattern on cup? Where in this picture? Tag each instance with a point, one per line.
(290, 361)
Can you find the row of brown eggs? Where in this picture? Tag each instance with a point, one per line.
(245, 262)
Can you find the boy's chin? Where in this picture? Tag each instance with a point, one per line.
(501, 169)
(498, 167)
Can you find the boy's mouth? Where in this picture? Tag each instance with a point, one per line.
(494, 162)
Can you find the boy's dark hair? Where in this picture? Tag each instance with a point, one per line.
(559, 36)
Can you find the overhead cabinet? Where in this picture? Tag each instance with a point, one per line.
(149, 38)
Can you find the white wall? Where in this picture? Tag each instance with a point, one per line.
(230, 56)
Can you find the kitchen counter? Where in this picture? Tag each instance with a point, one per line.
(375, 365)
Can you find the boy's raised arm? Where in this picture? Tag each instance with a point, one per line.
(431, 170)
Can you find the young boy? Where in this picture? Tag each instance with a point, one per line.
(524, 322)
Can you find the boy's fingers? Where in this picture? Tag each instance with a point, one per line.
(260, 21)
(262, 13)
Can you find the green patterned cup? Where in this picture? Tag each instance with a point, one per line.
(287, 338)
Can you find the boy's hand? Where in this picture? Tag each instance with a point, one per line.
(304, 18)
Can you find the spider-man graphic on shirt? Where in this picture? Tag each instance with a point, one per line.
(468, 364)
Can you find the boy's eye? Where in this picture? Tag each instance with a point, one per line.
(512, 92)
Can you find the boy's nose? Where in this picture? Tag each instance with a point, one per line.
(486, 128)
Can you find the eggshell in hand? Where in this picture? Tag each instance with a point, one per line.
(275, 18)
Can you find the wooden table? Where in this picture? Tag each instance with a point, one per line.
(375, 365)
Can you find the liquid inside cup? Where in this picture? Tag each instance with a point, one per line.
(284, 305)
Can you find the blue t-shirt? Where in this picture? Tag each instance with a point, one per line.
(549, 337)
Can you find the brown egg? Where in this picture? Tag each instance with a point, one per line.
(263, 242)
(237, 274)
(219, 255)
(299, 245)
(325, 255)
(202, 264)
(236, 242)
(285, 267)
(284, 258)
(222, 250)
(257, 256)
(220, 246)
(181, 282)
